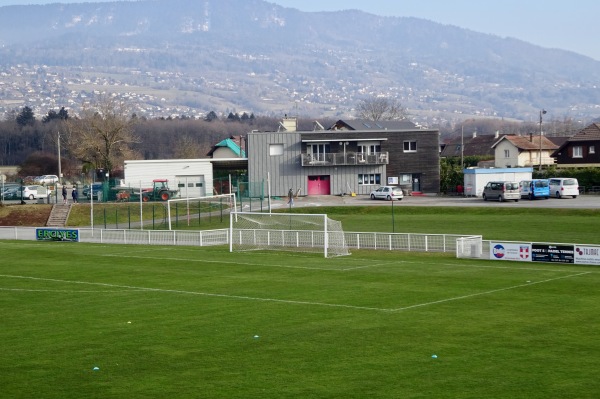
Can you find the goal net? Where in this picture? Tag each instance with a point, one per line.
(287, 232)
(208, 212)
(469, 247)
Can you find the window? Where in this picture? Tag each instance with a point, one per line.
(410, 146)
(592, 149)
(318, 151)
(371, 179)
(506, 153)
(275, 149)
(577, 152)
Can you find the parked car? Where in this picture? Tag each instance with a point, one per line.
(536, 188)
(502, 191)
(95, 189)
(33, 192)
(561, 186)
(46, 179)
(388, 193)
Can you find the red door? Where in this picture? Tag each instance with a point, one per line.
(319, 185)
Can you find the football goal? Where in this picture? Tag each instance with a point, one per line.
(469, 247)
(288, 232)
(192, 211)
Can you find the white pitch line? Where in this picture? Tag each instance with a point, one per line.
(207, 294)
(486, 292)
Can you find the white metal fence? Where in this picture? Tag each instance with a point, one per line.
(358, 240)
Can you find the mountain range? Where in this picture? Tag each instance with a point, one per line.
(189, 57)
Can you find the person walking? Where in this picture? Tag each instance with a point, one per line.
(64, 194)
(74, 194)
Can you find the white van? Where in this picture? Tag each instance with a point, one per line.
(561, 186)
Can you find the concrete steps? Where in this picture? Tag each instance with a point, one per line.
(59, 215)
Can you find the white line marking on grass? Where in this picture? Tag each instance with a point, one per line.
(486, 292)
(207, 294)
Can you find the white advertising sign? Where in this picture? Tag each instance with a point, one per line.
(510, 251)
(585, 255)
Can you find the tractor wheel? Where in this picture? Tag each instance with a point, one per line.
(145, 198)
(165, 196)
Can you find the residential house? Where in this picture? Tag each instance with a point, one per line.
(581, 150)
(352, 156)
(470, 145)
(523, 151)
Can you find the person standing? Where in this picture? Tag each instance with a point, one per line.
(74, 194)
(64, 194)
(291, 197)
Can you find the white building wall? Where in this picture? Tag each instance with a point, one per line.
(176, 171)
(501, 161)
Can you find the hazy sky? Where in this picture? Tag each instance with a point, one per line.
(569, 25)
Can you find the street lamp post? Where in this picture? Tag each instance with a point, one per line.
(542, 112)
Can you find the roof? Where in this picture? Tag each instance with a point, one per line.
(365, 124)
(591, 132)
(588, 133)
(473, 146)
(231, 144)
(529, 143)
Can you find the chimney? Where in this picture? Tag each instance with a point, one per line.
(531, 137)
(497, 135)
(475, 134)
(289, 124)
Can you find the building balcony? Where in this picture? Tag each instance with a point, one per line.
(345, 159)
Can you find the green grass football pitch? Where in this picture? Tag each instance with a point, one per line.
(186, 322)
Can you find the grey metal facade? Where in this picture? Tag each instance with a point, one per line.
(342, 162)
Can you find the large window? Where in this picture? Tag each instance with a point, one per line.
(410, 146)
(275, 149)
(577, 152)
(318, 151)
(369, 179)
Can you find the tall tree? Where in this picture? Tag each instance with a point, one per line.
(381, 108)
(26, 117)
(103, 135)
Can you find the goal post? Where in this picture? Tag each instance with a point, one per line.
(296, 232)
(469, 247)
(196, 207)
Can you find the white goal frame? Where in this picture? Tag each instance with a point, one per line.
(230, 198)
(286, 232)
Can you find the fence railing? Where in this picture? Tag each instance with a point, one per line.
(357, 240)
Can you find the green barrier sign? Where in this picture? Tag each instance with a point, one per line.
(57, 235)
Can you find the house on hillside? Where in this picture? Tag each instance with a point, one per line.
(581, 150)
(523, 151)
(352, 156)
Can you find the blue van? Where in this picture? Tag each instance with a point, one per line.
(535, 188)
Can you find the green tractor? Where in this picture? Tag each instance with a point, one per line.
(160, 191)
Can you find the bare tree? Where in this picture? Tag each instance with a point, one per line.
(186, 147)
(103, 134)
(381, 108)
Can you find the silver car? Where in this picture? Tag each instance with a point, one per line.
(389, 193)
(502, 191)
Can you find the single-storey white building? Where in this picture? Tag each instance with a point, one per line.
(475, 179)
(192, 177)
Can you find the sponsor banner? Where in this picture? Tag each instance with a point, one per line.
(42, 234)
(553, 253)
(510, 251)
(585, 255)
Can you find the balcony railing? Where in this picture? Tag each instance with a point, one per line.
(341, 159)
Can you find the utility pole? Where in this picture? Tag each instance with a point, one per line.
(542, 112)
(59, 167)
